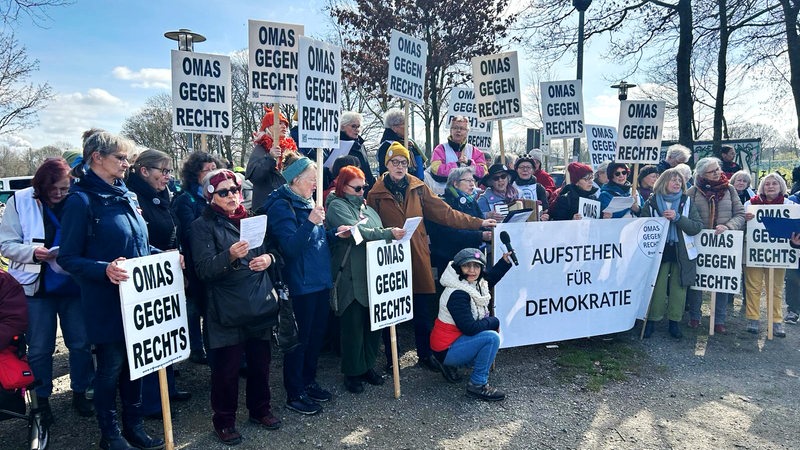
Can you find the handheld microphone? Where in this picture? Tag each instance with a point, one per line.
(506, 240)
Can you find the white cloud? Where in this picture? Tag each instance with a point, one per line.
(146, 78)
(13, 141)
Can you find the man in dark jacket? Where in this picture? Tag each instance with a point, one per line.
(395, 123)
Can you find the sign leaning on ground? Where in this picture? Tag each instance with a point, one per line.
(641, 123)
(272, 68)
(602, 143)
(201, 93)
(497, 87)
(763, 250)
(462, 103)
(389, 282)
(408, 60)
(320, 78)
(562, 109)
(719, 261)
(154, 313)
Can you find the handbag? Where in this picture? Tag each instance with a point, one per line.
(15, 373)
(334, 294)
(286, 335)
(251, 309)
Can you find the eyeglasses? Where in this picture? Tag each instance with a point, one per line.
(621, 173)
(123, 159)
(588, 178)
(467, 180)
(358, 188)
(224, 192)
(459, 129)
(355, 125)
(399, 162)
(164, 171)
(525, 167)
(502, 176)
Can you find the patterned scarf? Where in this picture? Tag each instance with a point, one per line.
(396, 188)
(236, 217)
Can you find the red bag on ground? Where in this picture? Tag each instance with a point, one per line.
(15, 373)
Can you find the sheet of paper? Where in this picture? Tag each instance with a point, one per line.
(355, 231)
(53, 251)
(501, 208)
(519, 218)
(410, 226)
(618, 204)
(344, 148)
(252, 230)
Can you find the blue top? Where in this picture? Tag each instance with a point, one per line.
(611, 190)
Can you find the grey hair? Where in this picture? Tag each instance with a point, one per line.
(660, 186)
(104, 143)
(601, 168)
(776, 176)
(460, 118)
(686, 171)
(394, 117)
(741, 174)
(678, 152)
(701, 167)
(457, 173)
(349, 117)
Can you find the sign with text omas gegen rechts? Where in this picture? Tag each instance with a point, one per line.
(577, 278)
(272, 67)
(641, 123)
(201, 93)
(462, 103)
(602, 143)
(389, 283)
(763, 250)
(320, 73)
(562, 109)
(719, 261)
(497, 88)
(154, 313)
(408, 60)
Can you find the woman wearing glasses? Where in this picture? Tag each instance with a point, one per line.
(565, 206)
(234, 273)
(457, 152)
(500, 190)
(351, 127)
(617, 186)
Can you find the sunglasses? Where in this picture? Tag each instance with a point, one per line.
(621, 173)
(358, 188)
(500, 177)
(224, 192)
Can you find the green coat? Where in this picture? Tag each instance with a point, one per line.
(353, 281)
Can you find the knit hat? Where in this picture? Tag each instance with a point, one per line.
(612, 167)
(469, 255)
(396, 149)
(494, 170)
(295, 168)
(536, 155)
(645, 171)
(578, 170)
(269, 119)
(214, 179)
(73, 158)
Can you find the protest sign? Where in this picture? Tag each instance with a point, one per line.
(272, 67)
(320, 78)
(408, 59)
(497, 86)
(588, 208)
(462, 103)
(562, 109)
(641, 123)
(602, 143)
(154, 313)
(201, 93)
(764, 250)
(719, 261)
(389, 280)
(577, 278)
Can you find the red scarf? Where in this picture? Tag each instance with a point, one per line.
(758, 200)
(713, 191)
(239, 214)
(286, 143)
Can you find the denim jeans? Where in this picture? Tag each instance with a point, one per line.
(41, 337)
(792, 286)
(300, 365)
(478, 350)
(112, 372)
(695, 300)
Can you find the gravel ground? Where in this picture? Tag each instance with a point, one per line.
(730, 391)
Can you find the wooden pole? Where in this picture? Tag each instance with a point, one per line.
(275, 131)
(634, 182)
(712, 305)
(169, 441)
(770, 301)
(320, 187)
(502, 144)
(407, 109)
(204, 142)
(395, 362)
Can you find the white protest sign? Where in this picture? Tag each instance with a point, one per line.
(719, 261)
(462, 103)
(766, 251)
(562, 109)
(154, 313)
(497, 86)
(408, 59)
(641, 123)
(389, 279)
(588, 208)
(272, 67)
(602, 143)
(577, 278)
(201, 93)
(320, 75)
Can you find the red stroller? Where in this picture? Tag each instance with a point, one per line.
(17, 398)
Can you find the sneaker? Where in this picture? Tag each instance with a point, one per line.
(372, 377)
(82, 405)
(720, 329)
(752, 326)
(791, 318)
(269, 421)
(485, 392)
(316, 393)
(229, 436)
(303, 405)
(777, 330)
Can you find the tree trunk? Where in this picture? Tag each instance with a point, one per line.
(722, 69)
(684, 78)
(790, 10)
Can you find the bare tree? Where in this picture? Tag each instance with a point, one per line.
(36, 10)
(20, 100)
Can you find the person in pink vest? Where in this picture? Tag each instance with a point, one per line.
(457, 152)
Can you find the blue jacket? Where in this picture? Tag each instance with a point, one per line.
(93, 236)
(304, 246)
(447, 241)
(611, 190)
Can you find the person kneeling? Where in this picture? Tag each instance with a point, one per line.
(464, 332)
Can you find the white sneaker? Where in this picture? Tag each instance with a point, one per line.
(791, 318)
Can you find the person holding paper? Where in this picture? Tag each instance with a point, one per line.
(396, 197)
(618, 186)
(677, 270)
(500, 192)
(457, 152)
(771, 191)
(264, 165)
(346, 208)
(565, 206)
(394, 131)
(101, 227)
(720, 210)
(528, 186)
(30, 229)
(235, 274)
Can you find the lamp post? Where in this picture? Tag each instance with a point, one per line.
(622, 88)
(581, 6)
(186, 39)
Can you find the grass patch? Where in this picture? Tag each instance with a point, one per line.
(593, 364)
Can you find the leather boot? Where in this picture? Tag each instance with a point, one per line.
(675, 329)
(649, 328)
(139, 438)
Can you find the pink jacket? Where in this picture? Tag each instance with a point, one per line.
(440, 166)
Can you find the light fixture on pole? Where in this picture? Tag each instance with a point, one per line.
(581, 6)
(622, 88)
(186, 39)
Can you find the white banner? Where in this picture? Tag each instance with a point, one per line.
(719, 261)
(272, 67)
(154, 313)
(562, 109)
(602, 143)
(318, 94)
(766, 251)
(462, 103)
(408, 60)
(497, 87)
(641, 123)
(391, 291)
(201, 93)
(577, 278)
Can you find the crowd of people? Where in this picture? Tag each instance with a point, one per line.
(66, 235)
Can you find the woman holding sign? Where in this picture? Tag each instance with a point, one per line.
(263, 167)
(565, 206)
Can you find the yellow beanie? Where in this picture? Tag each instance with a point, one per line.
(396, 149)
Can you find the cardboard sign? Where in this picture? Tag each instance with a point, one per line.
(719, 261)
(764, 250)
(641, 123)
(272, 68)
(318, 95)
(588, 208)
(497, 86)
(462, 103)
(201, 93)
(154, 313)
(408, 60)
(391, 293)
(562, 109)
(602, 143)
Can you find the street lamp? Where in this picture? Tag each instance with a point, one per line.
(622, 87)
(581, 6)
(186, 39)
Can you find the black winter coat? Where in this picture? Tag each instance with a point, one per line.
(162, 225)
(566, 203)
(263, 173)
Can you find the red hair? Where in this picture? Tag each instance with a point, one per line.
(346, 175)
(49, 173)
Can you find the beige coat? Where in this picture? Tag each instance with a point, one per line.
(730, 211)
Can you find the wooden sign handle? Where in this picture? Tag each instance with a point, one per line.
(169, 441)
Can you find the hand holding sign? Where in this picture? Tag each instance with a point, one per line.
(115, 273)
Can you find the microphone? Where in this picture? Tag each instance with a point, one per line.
(506, 240)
